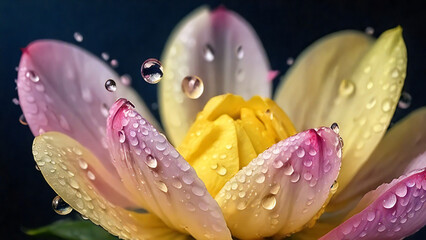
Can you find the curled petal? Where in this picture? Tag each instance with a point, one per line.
(392, 211)
(61, 88)
(284, 188)
(159, 178)
(224, 51)
(72, 171)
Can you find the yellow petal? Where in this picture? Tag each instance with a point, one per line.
(345, 80)
(70, 169)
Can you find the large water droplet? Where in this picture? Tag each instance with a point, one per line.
(110, 85)
(240, 52)
(60, 206)
(335, 128)
(269, 202)
(405, 100)
(152, 71)
(390, 201)
(151, 161)
(192, 86)
(78, 37)
(346, 87)
(208, 53)
(22, 120)
(31, 75)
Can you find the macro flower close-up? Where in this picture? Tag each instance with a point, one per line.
(213, 140)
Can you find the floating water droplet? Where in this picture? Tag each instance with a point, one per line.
(269, 202)
(78, 37)
(110, 85)
(105, 56)
(208, 53)
(404, 100)
(335, 128)
(346, 87)
(114, 63)
(152, 71)
(32, 76)
(15, 101)
(240, 52)
(290, 61)
(60, 206)
(369, 30)
(192, 86)
(22, 120)
(151, 161)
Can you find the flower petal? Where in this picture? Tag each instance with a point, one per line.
(405, 141)
(392, 211)
(61, 88)
(159, 177)
(72, 170)
(224, 51)
(284, 188)
(352, 82)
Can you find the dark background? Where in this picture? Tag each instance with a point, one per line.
(132, 31)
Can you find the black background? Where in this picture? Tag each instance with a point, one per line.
(132, 31)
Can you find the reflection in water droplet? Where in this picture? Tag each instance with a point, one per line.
(369, 30)
(269, 202)
(335, 128)
(346, 87)
(78, 37)
(405, 100)
(60, 206)
(22, 120)
(208, 53)
(126, 79)
(110, 85)
(192, 86)
(240, 52)
(114, 63)
(105, 56)
(31, 75)
(152, 71)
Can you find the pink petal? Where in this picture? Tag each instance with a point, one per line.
(272, 75)
(223, 50)
(159, 178)
(284, 187)
(392, 211)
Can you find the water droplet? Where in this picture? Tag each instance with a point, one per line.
(240, 52)
(404, 100)
(260, 178)
(32, 76)
(152, 71)
(241, 205)
(126, 79)
(114, 63)
(110, 85)
(208, 53)
(60, 206)
(386, 105)
(221, 171)
(269, 202)
(346, 87)
(84, 217)
(192, 86)
(295, 177)
(104, 110)
(300, 152)
(290, 61)
(37, 167)
(78, 37)
(121, 136)
(371, 103)
(288, 169)
(395, 73)
(369, 30)
(105, 56)
(334, 186)
(390, 201)
(162, 186)
(22, 120)
(151, 161)
(335, 128)
(275, 188)
(15, 101)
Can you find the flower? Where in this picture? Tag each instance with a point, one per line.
(128, 178)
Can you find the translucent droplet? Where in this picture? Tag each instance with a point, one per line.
(404, 100)
(162, 186)
(105, 56)
(221, 171)
(240, 52)
(390, 201)
(121, 136)
(152, 71)
(335, 128)
(22, 120)
(110, 85)
(290, 61)
(15, 101)
(369, 30)
(334, 187)
(192, 86)
(269, 202)
(31, 75)
(151, 161)
(346, 87)
(60, 206)
(84, 217)
(208, 53)
(78, 37)
(37, 167)
(386, 105)
(126, 79)
(114, 63)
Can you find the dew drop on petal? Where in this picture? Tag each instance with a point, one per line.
(110, 85)
(208, 53)
(22, 120)
(404, 100)
(335, 128)
(334, 187)
(151, 161)
(240, 52)
(60, 206)
(126, 79)
(84, 217)
(192, 86)
(346, 88)
(269, 202)
(121, 136)
(114, 63)
(31, 75)
(152, 71)
(105, 56)
(390, 201)
(78, 37)
(369, 30)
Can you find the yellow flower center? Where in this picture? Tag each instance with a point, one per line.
(229, 133)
